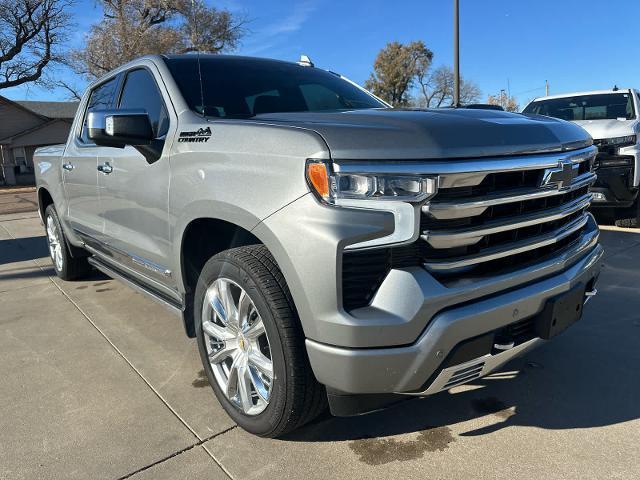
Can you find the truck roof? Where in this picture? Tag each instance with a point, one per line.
(578, 94)
(221, 57)
(159, 58)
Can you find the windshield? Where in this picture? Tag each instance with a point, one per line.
(243, 87)
(605, 106)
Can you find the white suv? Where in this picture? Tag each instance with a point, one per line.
(611, 118)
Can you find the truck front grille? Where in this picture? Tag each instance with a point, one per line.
(485, 223)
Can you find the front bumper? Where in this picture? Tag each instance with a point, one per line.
(614, 188)
(420, 368)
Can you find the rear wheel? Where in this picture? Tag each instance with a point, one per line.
(66, 266)
(252, 345)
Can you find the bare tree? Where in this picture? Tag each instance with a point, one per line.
(73, 92)
(131, 28)
(509, 103)
(31, 35)
(436, 88)
(209, 29)
(395, 70)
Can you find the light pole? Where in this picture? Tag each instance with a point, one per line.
(456, 53)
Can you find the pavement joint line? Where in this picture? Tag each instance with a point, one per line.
(210, 453)
(199, 443)
(124, 357)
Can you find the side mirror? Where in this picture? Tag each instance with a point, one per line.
(118, 128)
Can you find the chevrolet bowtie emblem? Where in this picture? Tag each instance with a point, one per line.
(561, 176)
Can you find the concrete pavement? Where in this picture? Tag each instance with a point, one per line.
(97, 381)
(18, 200)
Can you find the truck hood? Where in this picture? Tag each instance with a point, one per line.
(600, 129)
(388, 134)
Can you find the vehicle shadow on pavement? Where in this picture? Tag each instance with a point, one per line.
(585, 378)
(568, 396)
(23, 249)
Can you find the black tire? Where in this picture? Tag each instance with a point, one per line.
(632, 216)
(71, 268)
(296, 397)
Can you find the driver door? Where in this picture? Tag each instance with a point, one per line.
(134, 188)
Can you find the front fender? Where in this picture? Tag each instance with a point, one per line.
(210, 209)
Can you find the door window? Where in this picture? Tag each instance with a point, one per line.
(101, 98)
(141, 92)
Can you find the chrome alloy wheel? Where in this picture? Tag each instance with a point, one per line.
(55, 245)
(237, 346)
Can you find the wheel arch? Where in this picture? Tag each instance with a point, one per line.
(200, 239)
(44, 200)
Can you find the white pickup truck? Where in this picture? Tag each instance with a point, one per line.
(611, 118)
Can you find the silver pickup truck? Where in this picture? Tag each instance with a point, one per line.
(320, 245)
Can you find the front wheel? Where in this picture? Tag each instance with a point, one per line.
(252, 345)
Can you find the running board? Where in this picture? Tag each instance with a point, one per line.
(172, 305)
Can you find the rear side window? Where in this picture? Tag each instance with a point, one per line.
(101, 98)
(141, 92)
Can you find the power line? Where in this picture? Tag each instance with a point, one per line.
(529, 91)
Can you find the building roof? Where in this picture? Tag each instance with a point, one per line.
(12, 138)
(50, 109)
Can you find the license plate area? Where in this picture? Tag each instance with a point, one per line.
(560, 313)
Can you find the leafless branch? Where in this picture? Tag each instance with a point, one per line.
(31, 33)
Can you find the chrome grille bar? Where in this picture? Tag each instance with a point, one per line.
(508, 249)
(441, 239)
(462, 172)
(477, 205)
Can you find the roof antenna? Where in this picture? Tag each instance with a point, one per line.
(305, 61)
(615, 88)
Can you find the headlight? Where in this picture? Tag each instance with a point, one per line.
(619, 141)
(334, 187)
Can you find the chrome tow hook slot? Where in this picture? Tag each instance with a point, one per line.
(589, 295)
(504, 346)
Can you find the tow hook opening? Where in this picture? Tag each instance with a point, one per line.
(591, 290)
(503, 346)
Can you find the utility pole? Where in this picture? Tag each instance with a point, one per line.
(456, 53)
(194, 33)
(546, 85)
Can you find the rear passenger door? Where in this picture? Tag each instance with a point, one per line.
(134, 187)
(79, 166)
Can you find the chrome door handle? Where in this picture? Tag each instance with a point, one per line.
(68, 166)
(105, 168)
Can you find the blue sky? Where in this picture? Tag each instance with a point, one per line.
(515, 44)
